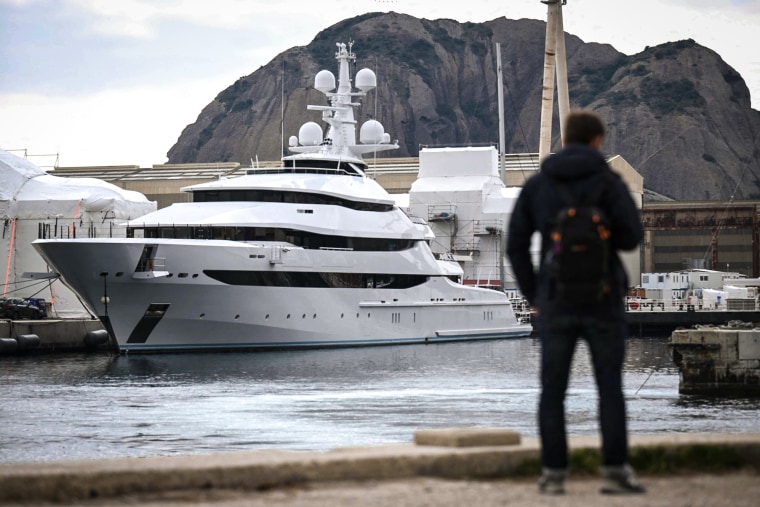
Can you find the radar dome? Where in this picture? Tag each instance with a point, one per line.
(324, 81)
(310, 134)
(366, 80)
(371, 132)
(292, 141)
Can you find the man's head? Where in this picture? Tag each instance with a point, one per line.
(584, 127)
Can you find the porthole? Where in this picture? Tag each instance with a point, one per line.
(120, 273)
(303, 316)
(195, 275)
(314, 316)
(202, 315)
(288, 316)
(341, 315)
(266, 317)
(237, 317)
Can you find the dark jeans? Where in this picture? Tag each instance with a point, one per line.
(606, 342)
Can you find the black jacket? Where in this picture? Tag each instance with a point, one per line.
(538, 205)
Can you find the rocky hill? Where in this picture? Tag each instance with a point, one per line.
(677, 112)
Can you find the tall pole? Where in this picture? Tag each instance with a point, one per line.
(554, 12)
(563, 95)
(282, 109)
(500, 96)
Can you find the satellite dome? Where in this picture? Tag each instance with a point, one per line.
(324, 81)
(371, 132)
(292, 141)
(310, 134)
(366, 80)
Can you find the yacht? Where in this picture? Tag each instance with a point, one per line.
(313, 253)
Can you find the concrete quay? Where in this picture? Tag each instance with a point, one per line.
(443, 467)
(717, 360)
(55, 335)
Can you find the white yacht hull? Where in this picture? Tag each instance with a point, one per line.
(176, 306)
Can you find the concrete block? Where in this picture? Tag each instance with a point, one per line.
(749, 345)
(467, 437)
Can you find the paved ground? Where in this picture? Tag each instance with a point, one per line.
(394, 476)
(735, 490)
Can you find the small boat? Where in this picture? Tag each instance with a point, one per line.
(310, 254)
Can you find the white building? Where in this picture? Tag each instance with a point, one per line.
(35, 204)
(460, 193)
(696, 283)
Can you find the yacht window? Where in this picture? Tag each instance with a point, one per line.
(290, 196)
(295, 237)
(312, 279)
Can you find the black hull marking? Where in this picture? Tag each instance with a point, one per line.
(148, 322)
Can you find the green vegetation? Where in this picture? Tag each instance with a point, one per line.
(665, 97)
(481, 110)
(670, 49)
(478, 48)
(441, 36)
(446, 111)
(242, 105)
(322, 49)
(710, 458)
(652, 460)
(229, 96)
(208, 132)
(478, 30)
(622, 99)
(730, 76)
(592, 82)
(640, 70)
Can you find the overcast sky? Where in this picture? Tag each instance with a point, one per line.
(102, 82)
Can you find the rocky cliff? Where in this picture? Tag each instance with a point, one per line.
(677, 112)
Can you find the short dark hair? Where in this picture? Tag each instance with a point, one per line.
(582, 127)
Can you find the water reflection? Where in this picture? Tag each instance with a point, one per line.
(87, 406)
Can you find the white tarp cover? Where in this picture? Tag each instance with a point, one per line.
(26, 191)
(713, 298)
(33, 202)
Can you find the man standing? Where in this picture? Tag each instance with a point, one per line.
(578, 171)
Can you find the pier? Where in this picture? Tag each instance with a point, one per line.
(654, 319)
(721, 360)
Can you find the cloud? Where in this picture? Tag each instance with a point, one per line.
(118, 126)
(142, 18)
(112, 82)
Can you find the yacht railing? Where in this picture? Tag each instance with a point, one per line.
(691, 304)
(301, 170)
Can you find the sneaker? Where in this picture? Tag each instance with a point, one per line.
(552, 482)
(620, 480)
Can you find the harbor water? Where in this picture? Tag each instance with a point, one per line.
(84, 406)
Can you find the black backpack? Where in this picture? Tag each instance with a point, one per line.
(579, 256)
